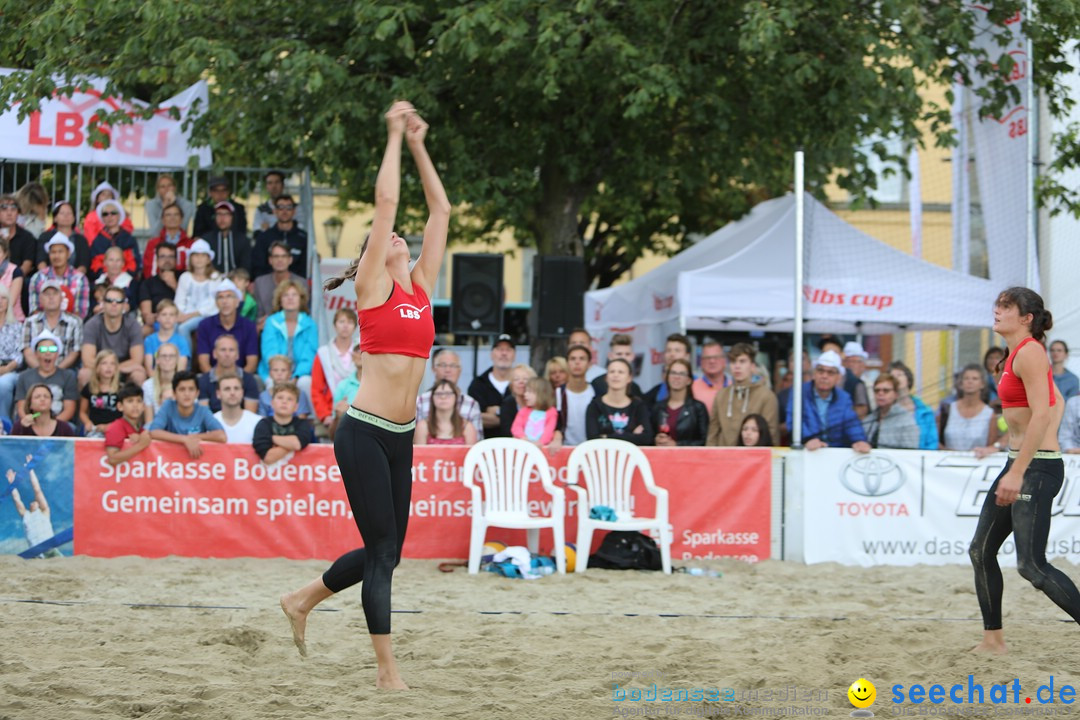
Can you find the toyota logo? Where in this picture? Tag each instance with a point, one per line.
(872, 475)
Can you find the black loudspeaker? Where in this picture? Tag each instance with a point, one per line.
(476, 298)
(558, 296)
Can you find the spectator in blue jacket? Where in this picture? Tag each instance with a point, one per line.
(290, 331)
(828, 417)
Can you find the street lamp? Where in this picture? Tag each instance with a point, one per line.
(332, 227)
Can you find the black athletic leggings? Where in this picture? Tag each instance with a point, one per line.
(376, 469)
(1029, 522)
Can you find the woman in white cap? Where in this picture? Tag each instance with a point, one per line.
(65, 223)
(93, 223)
(114, 235)
(196, 289)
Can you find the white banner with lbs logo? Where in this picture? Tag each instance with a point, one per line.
(912, 507)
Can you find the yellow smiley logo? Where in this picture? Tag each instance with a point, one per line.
(862, 693)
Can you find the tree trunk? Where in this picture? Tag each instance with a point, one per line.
(556, 224)
(556, 230)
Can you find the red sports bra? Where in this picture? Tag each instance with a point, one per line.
(1011, 388)
(402, 325)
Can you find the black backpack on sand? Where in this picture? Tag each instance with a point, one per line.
(626, 550)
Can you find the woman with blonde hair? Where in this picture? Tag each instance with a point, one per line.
(520, 375)
(98, 406)
(33, 202)
(444, 424)
(158, 387)
(196, 290)
(290, 331)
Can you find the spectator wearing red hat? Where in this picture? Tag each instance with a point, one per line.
(60, 249)
(231, 247)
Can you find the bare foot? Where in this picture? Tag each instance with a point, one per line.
(297, 620)
(992, 647)
(389, 679)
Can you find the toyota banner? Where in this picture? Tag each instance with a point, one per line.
(911, 507)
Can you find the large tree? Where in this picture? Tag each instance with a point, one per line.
(597, 127)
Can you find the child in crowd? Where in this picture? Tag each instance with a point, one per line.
(346, 389)
(281, 367)
(183, 420)
(754, 432)
(130, 423)
(281, 434)
(98, 407)
(167, 317)
(444, 424)
(158, 387)
(537, 421)
(242, 279)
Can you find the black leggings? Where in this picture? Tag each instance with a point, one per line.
(376, 469)
(1029, 522)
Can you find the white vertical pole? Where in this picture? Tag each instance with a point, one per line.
(1032, 152)
(796, 355)
(915, 212)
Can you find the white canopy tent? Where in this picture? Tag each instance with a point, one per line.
(742, 277)
(854, 283)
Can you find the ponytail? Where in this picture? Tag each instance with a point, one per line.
(349, 274)
(1040, 324)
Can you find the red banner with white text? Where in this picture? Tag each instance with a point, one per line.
(228, 504)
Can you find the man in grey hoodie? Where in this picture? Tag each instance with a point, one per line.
(743, 397)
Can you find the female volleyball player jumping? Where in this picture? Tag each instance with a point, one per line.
(374, 442)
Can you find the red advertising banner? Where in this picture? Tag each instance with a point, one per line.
(228, 504)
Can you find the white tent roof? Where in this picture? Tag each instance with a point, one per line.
(853, 283)
(651, 298)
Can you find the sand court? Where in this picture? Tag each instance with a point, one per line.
(193, 638)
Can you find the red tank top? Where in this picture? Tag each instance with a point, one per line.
(402, 325)
(1011, 388)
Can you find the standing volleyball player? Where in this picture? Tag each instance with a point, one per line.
(1022, 497)
(374, 441)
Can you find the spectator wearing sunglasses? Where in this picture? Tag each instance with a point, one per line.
(114, 329)
(92, 223)
(113, 234)
(286, 230)
(65, 392)
(265, 216)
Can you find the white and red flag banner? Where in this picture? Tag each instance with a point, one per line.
(60, 130)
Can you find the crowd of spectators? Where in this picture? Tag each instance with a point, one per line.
(728, 400)
(208, 337)
(90, 320)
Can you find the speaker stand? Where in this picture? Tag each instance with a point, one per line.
(475, 356)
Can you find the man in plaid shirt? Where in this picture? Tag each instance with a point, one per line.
(60, 250)
(50, 318)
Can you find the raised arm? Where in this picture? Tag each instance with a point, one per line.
(372, 280)
(426, 270)
(38, 495)
(17, 499)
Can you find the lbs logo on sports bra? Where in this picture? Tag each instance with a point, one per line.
(411, 312)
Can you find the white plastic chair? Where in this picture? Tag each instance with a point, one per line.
(503, 468)
(607, 467)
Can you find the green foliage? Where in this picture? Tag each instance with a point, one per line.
(599, 127)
